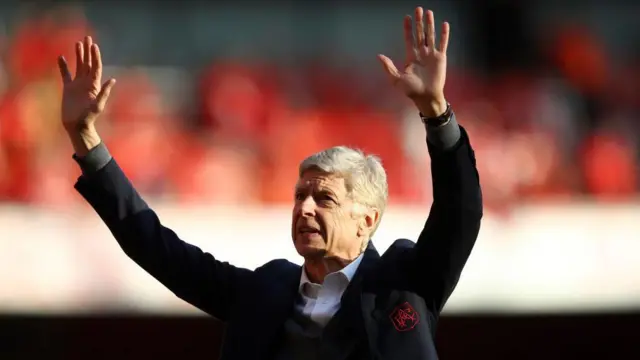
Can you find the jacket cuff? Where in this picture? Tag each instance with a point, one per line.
(445, 136)
(96, 159)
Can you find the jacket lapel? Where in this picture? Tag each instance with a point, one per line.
(277, 304)
(341, 335)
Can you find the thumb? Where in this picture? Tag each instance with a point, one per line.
(103, 95)
(389, 67)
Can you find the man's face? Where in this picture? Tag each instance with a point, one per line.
(324, 221)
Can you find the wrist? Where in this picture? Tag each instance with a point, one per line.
(84, 140)
(430, 108)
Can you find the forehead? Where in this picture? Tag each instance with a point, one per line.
(317, 180)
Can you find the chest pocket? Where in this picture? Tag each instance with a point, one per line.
(403, 327)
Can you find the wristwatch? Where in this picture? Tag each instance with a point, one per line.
(438, 120)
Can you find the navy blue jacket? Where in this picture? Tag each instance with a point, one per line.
(389, 310)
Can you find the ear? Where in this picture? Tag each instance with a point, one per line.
(368, 221)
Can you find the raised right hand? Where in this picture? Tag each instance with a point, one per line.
(83, 96)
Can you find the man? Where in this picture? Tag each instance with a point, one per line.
(347, 301)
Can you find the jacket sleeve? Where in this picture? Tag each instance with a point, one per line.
(452, 227)
(191, 274)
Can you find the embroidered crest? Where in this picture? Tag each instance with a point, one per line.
(404, 317)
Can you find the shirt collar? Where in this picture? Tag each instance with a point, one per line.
(348, 271)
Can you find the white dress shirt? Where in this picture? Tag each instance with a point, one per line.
(321, 301)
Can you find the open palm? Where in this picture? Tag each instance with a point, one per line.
(424, 73)
(84, 96)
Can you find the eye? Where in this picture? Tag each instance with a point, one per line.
(325, 198)
(299, 196)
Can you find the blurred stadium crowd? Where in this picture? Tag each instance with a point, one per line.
(564, 130)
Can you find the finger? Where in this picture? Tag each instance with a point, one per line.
(96, 62)
(64, 70)
(444, 37)
(389, 67)
(88, 42)
(103, 95)
(410, 48)
(79, 59)
(431, 30)
(419, 27)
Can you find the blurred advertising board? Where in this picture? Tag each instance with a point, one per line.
(577, 257)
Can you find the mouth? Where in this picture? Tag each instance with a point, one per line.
(306, 230)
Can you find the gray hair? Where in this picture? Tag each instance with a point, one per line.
(364, 175)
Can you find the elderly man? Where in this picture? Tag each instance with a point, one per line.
(347, 301)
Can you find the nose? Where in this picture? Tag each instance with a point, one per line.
(308, 207)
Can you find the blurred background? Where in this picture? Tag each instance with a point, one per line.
(217, 102)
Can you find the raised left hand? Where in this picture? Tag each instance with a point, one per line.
(423, 76)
